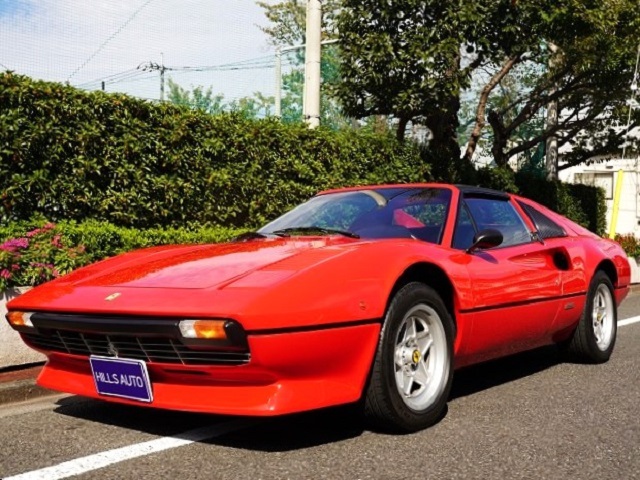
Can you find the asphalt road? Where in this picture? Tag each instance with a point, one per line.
(528, 416)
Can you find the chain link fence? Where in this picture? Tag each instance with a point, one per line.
(151, 49)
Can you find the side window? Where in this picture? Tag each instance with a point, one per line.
(423, 213)
(464, 231)
(547, 228)
(500, 215)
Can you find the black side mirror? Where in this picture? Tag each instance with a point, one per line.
(484, 239)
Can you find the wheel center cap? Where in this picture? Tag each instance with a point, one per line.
(416, 356)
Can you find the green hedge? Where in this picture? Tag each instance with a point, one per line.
(66, 154)
(33, 252)
(69, 154)
(583, 204)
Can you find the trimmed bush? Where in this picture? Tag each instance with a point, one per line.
(69, 154)
(66, 154)
(33, 252)
(583, 204)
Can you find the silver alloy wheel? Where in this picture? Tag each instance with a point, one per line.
(421, 357)
(603, 317)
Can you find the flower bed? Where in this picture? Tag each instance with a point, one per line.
(38, 256)
(36, 251)
(631, 246)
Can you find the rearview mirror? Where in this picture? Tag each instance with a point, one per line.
(484, 239)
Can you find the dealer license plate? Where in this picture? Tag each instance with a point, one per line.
(121, 377)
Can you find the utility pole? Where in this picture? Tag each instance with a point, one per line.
(162, 69)
(311, 104)
(279, 52)
(278, 95)
(150, 66)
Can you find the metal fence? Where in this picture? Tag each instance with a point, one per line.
(140, 47)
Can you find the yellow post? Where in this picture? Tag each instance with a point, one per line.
(616, 204)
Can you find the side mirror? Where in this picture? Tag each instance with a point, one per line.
(484, 239)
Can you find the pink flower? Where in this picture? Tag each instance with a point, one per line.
(48, 266)
(6, 274)
(14, 244)
(55, 241)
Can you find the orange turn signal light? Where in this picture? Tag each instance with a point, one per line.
(205, 329)
(20, 319)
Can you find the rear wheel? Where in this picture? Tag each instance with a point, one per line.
(413, 369)
(595, 336)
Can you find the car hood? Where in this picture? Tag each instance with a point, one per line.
(202, 266)
(263, 284)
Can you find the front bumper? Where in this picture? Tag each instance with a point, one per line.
(287, 372)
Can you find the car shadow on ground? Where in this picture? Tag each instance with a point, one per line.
(303, 430)
(483, 376)
(288, 432)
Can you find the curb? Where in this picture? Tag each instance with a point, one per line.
(21, 391)
(20, 385)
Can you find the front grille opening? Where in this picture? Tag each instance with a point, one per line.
(150, 349)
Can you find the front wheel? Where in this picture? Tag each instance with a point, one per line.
(595, 335)
(413, 368)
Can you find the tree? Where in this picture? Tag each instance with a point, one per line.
(258, 106)
(486, 95)
(588, 76)
(198, 98)
(415, 59)
(288, 21)
(404, 59)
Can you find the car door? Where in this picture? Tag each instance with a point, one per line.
(516, 286)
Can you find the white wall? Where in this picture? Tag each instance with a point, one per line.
(605, 175)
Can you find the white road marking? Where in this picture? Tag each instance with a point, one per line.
(628, 321)
(110, 457)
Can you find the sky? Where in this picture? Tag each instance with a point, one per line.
(85, 41)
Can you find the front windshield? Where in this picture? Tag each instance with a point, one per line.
(411, 212)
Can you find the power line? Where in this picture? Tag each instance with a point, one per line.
(116, 78)
(111, 37)
(147, 67)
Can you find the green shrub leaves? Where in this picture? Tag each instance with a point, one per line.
(69, 154)
(33, 252)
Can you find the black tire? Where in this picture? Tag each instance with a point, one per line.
(595, 336)
(415, 353)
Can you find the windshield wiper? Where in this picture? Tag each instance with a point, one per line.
(287, 232)
(245, 237)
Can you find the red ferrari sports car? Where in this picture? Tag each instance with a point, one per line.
(369, 295)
